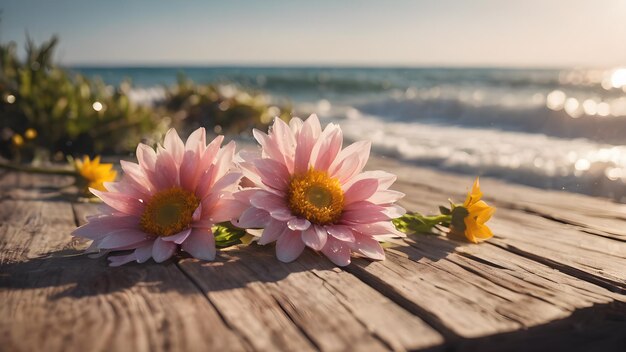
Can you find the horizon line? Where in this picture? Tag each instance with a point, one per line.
(149, 65)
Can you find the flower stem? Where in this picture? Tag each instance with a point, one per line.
(416, 223)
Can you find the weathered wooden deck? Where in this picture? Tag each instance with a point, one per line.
(552, 278)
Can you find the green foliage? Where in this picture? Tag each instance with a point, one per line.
(75, 115)
(70, 113)
(225, 109)
(227, 235)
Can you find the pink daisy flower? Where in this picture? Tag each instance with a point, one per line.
(311, 193)
(170, 199)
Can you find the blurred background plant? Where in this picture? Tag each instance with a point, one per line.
(224, 108)
(48, 112)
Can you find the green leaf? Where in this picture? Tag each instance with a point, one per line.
(227, 235)
(444, 210)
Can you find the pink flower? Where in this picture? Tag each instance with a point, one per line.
(170, 199)
(310, 192)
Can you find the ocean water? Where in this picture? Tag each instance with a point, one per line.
(549, 128)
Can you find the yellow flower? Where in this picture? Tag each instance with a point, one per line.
(474, 214)
(18, 140)
(95, 174)
(30, 133)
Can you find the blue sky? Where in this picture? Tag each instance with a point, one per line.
(412, 33)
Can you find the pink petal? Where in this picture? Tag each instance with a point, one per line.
(224, 160)
(211, 202)
(315, 237)
(282, 214)
(270, 148)
(97, 228)
(295, 124)
(120, 202)
(166, 171)
(100, 254)
(306, 141)
(208, 156)
(316, 127)
(226, 210)
(249, 171)
(327, 147)
(385, 197)
(143, 253)
(200, 244)
(346, 169)
(272, 231)
(364, 212)
(273, 174)
(289, 246)
(126, 187)
(138, 177)
(177, 238)
(285, 140)
(228, 182)
(123, 238)
(268, 201)
(197, 214)
(253, 218)
(163, 250)
(196, 141)
(298, 224)
(358, 151)
(369, 247)
(245, 194)
(337, 251)
(340, 232)
(385, 179)
(174, 145)
(189, 170)
(205, 182)
(394, 211)
(93, 247)
(118, 260)
(360, 190)
(382, 228)
(146, 157)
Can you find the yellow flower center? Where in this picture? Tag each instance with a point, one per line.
(168, 212)
(316, 197)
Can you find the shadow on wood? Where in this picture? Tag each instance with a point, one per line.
(597, 328)
(83, 276)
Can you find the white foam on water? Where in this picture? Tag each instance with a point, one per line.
(578, 165)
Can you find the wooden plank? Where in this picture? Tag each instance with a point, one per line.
(48, 288)
(333, 309)
(477, 290)
(593, 258)
(604, 217)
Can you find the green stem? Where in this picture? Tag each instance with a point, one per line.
(38, 170)
(416, 223)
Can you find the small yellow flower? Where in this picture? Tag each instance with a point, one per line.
(95, 174)
(17, 140)
(30, 133)
(475, 213)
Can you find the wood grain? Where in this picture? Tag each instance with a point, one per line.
(552, 276)
(564, 246)
(55, 299)
(331, 308)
